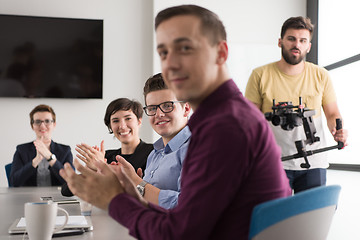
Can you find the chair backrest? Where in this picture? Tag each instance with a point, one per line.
(305, 215)
(8, 170)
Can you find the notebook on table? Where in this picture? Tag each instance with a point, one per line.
(76, 222)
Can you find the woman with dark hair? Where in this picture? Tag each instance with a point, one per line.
(38, 163)
(123, 118)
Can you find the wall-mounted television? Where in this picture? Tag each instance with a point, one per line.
(50, 57)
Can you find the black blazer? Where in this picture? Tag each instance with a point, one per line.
(24, 174)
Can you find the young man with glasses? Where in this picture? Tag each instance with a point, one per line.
(38, 163)
(168, 117)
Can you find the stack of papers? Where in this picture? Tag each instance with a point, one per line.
(73, 221)
(76, 222)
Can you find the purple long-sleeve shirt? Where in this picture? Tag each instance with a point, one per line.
(232, 164)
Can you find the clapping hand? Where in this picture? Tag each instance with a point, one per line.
(42, 151)
(42, 148)
(129, 170)
(99, 188)
(89, 155)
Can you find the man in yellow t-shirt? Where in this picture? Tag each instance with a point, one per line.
(287, 80)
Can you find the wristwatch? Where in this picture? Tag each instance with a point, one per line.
(52, 157)
(141, 187)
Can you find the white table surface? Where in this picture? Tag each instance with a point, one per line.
(12, 202)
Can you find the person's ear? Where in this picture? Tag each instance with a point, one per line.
(279, 42)
(223, 52)
(309, 48)
(187, 109)
(139, 121)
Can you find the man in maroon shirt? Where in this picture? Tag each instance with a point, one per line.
(232, 163)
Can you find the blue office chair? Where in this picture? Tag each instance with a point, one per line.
(305, 215)
(8, 170)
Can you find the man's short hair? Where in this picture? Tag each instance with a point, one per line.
(297, 23)
(122, 104)
(154, 83)
(211, 26)
(42, 108)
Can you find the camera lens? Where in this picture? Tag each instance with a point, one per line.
(278, 120)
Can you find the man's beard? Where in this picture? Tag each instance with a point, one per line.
(291, 59)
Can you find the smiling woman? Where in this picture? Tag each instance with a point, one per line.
(38, 163)
(123, 118)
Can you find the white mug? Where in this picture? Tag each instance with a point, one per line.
(40, 219)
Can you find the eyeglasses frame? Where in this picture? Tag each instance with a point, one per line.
(43, 121)
(158, 106)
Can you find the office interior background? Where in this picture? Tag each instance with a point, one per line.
(129, 58)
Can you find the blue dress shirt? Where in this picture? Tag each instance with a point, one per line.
(164, 164)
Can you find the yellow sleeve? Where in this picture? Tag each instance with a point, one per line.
(329, 95)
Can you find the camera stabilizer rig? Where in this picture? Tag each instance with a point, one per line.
(289, 116)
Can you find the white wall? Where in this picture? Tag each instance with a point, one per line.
(128, 35)
(346, 219)
(344, 79)
(253, 28)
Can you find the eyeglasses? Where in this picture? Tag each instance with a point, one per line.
(47, 122)
(165, 107)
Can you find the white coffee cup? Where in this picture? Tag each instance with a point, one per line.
(40, 219)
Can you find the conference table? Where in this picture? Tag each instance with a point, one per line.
(12, 202)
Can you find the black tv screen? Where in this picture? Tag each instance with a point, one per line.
(46, 57)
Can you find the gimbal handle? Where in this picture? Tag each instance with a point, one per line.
(302, 153)
(338, 127)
